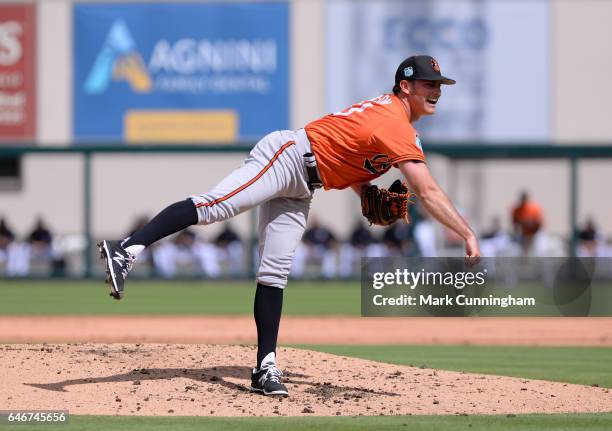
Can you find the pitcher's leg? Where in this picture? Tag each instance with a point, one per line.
(281, 225)
(282, 222)
(267, 309)
(172, 219)
(263, 176)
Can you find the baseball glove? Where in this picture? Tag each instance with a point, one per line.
(383, 207)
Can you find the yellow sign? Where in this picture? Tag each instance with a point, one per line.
(181, 126)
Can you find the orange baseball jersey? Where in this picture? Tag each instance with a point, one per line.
(529, 217)
(363, 142)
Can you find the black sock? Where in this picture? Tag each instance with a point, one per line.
(267, 310)
(174, 218)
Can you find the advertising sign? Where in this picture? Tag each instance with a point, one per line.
(17, 71)
(180, 72)
(477, 43)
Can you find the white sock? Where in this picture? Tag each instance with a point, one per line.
(135, 249)
(268, 361)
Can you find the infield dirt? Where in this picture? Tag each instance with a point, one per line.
(534, 331)
(213, 380)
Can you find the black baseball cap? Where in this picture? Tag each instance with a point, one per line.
(420, 67)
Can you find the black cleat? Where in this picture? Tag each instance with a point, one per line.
(267, 380)
(118, 263)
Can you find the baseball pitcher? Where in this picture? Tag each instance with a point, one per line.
(344, 149)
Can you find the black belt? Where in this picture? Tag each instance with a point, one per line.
(314, 180)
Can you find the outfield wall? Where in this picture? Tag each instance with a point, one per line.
(482, 189)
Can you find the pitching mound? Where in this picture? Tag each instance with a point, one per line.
(210, 380)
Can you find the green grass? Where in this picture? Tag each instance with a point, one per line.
(567, 364)
(582, 422)
(582, 365)
(209, 297)
(177, 297)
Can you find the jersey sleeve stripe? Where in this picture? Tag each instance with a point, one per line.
(404, 158)
(250, 182)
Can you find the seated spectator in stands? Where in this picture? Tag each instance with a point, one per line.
(41, 241)
(186, 250)
(318, 245)
(230, 250)
(40, 237)
(527, 220)
(6, 238)
(7, 234)
(398, 240)
(424, 232)
(591, 242)
(361, 243)
(494, 231)
(13, 254)
(495, 242)
(528, 225)
(43, 250)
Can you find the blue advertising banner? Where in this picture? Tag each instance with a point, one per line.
(180, 71)
(485, 45)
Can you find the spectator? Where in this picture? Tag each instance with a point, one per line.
(360, 244)
(494, 230)
(588, 233)
(527, 219)
(5, 231)
(13, 253)
(40, 235)
(398, 240)
(6, 238)
(590, 241)
(495, 242)
(528, 222)
(318, 244)
(230, 250)
(424, 232)
(186, 249)
(42, 248)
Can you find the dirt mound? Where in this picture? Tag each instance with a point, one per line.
(212, 380)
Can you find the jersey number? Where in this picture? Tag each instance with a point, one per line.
(355, 108)
(385, 99)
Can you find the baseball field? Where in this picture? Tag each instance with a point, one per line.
(178, 355)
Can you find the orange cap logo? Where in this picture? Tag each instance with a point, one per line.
(435, 65)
